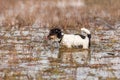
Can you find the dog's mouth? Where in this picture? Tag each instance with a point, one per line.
(51, 37)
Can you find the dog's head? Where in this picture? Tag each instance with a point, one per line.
(54, 34)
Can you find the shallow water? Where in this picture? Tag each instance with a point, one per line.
(25, 54)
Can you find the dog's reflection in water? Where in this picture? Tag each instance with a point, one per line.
(79, 56)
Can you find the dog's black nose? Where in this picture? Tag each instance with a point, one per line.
(48, 37)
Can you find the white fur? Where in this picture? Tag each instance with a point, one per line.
(85, 30)
(70, 40)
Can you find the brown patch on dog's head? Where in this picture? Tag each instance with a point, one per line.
(52, 37)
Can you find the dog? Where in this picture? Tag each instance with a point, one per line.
(71, 40)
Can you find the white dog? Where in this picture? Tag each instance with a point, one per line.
(71, 40)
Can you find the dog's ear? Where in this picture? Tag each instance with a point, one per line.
(59, 33)
(58, 30)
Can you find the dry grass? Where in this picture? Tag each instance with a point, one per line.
(47, 13)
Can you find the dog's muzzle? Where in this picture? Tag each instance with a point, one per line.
(50, 37)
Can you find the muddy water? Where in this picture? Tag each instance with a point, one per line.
(25, 54)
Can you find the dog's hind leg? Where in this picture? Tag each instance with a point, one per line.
(85, 46)
(68, 46)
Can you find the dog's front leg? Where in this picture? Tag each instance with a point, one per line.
(68, 46)
(85, 46)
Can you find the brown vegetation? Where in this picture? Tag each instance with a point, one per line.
(47, 13)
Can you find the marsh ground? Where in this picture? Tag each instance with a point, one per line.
(25, 54)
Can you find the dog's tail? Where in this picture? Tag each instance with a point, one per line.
(88, 34)
(85, 30)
